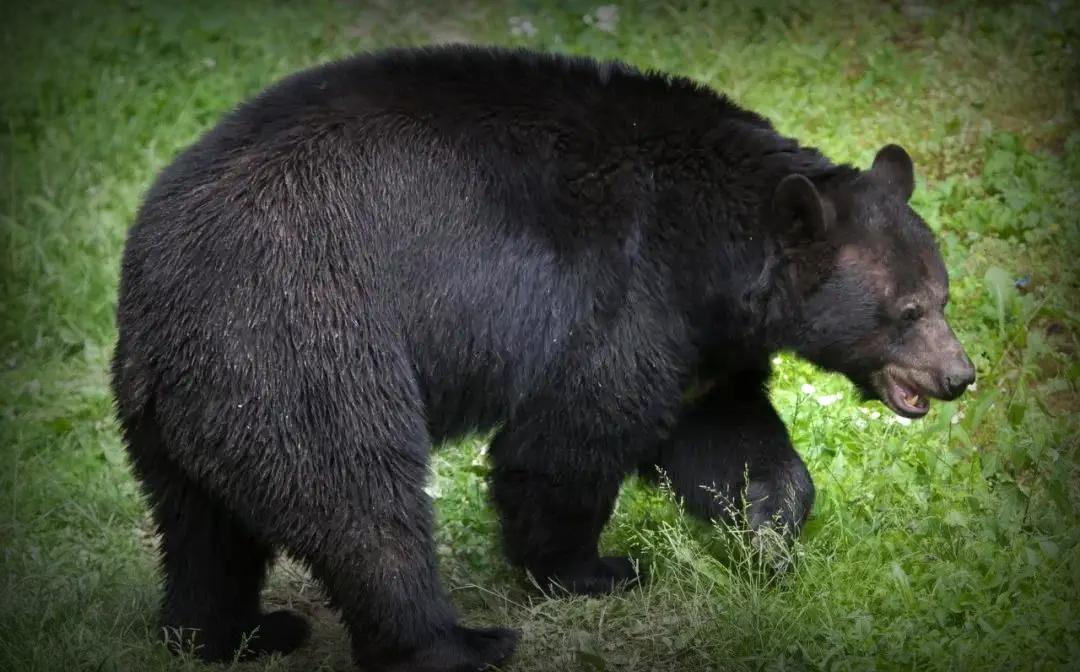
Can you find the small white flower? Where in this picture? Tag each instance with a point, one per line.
(807, 388)
(522, 26)
(972, 387)
(776, 361)
(860, 423)
(900, 420)
(827, 399)
(604, 18)
(874, 415)
(957, 417)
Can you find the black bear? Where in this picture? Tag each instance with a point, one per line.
(378, 254)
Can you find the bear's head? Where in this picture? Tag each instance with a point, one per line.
(869, 285)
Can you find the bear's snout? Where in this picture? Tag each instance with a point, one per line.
(951, 365)
(957, 376)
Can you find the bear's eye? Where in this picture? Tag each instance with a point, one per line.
(911, 313)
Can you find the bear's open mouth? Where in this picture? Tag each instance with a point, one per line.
(904, 399)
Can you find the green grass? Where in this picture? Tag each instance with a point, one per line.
(951, 543)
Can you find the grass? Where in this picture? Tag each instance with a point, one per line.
(951, 543)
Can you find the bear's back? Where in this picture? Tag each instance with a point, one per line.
(478, 206)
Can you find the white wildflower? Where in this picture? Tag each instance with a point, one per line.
(875, 415)
(861, 424)
(972, 387)
(807, 388)
(522, 26)
(776, 361)
(827, 399)
(604, 18)
(957, 417)
(900, 420)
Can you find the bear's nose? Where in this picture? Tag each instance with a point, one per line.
(959, 376)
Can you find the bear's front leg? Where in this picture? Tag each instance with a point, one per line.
(559, 461)
(730, 452)
(553, 508)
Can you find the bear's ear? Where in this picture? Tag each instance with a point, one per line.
(797, 207)
(894, 169)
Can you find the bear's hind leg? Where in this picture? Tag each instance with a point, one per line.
(213, 568)
(351, 505)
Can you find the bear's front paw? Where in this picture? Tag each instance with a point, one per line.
(594, 577)
(280, 631)
(461, 650)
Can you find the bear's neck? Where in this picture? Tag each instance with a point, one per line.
(745, 301)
